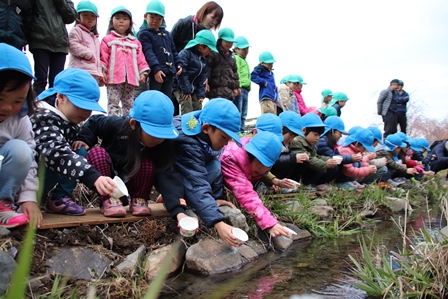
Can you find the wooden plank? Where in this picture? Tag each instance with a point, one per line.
(94, 217)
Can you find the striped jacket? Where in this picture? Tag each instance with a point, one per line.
(384, 101)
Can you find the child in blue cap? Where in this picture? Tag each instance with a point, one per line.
(360, 142)
(18, 169)
(242, 165)
(133, 147)
(55, 128)
(264, 77)
(319, 170)
(197, 168)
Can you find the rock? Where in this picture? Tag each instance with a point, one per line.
(235, 217)
(81, 263)
(257, 247)
(319, 202)
(4, 231)
(398, 204)
(133, 261)
(156, 258)
(247, 253)
(324, 212)
(209, 256)
(294, 206)
(301, 233)
(8, 266)
(443, 234)
(279, 243)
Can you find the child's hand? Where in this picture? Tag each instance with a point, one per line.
(105, 185)
(179, 70)
(225, 232)
(222, 202)
(331, 163)
(143, 78)
(200, 100)
(300, 158)
(372, 169)
(78, 144)
(180, 216)
(158, 76)
(207, 87)
(283, 183)
(412, 171)
(278, 230)
(430, 173)
(371, 155)
(185, 96)
(31, 209)
(357, 157)
(236, 92)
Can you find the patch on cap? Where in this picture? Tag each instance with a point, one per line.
(192, 123)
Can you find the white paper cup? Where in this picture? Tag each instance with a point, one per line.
(188, 226)
(240, 234)
(1, 161)
(296, 184)
(338, 159)
(120, 190)
(290, 231)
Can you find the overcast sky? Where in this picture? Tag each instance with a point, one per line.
(349, 45)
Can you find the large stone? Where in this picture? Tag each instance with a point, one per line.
(301, 233)
(443, 234)
(257, 247)
(133, 261)
(398, 204)
(247, 253)
(8, 266)
(209, 256)
(324, 212)
(280, 243)
(319, 202)
(81, 263)
(235, 217)
(294, 206)
(154, 261)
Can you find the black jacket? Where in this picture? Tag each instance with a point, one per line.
(15, 22)
(194, 73)
(184, 31)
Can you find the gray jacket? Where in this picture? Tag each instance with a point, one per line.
(384, 101)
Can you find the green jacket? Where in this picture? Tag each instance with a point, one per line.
(48, 30)
(243, 72)
(300, 145)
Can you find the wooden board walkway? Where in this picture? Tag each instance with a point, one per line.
(94, 217)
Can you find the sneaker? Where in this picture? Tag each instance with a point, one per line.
(9, 218)
(65, 205)
(347, 186)
(394, 183)
(139, 207)
(323, 187)
(401, 180)
(358, 185)
(113, 208)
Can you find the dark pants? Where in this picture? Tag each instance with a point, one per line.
(403, 122)
(309, 176)
(390, 123)
(166, 87)
(438, 165)
(47, 65)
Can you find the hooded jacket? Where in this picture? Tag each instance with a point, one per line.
(194, 73)
(237, 173)
(243, 71)
(222, 74)
(48, 30)
(384, 101)
(351, 170)
(303, 109)
(159, 49)
(83, 46)
(261, 75)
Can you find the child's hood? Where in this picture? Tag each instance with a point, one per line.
(45, 105)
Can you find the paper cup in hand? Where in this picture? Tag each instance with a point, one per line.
(188, 226)
(296, 184)
(1, 161)
(338, 159)
(291, 233)
(120, 189)
(240, 234)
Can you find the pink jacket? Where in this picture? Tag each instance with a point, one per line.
(84, 48)
(122, 58)
(303, 109)
(351, 171)
(235, 166)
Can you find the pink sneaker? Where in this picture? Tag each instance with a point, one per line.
(9, 218)
(113, 208)
(139, 207)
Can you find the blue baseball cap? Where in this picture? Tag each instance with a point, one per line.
(354, 130)
(376, 134)
(218, 112)
(415, 144)
(271, 123)
(424, 143)
(403, 137)
(80, 88)
(292, 121)
(154, 111)
(266, 147)
(363, 136)
(15, 60)
(312, 120)
(392, 141)
(334, 123)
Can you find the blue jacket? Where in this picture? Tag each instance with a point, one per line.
(324, 150)
(159, 49)
(262, 75)
(439, 155)
(194, 73)
(401, 101)
(191, 156)
(338, 109)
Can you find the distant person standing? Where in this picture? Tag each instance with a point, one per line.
(241, 49)
(401, 98)
(387, 108)
(264, 77)
(48, 40)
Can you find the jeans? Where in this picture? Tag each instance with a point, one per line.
(241, 103)
(47, 65)
(17, 159)
(64, 185)
(374, 177)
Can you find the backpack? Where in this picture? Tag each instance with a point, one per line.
(11, 24)
(435, 143)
